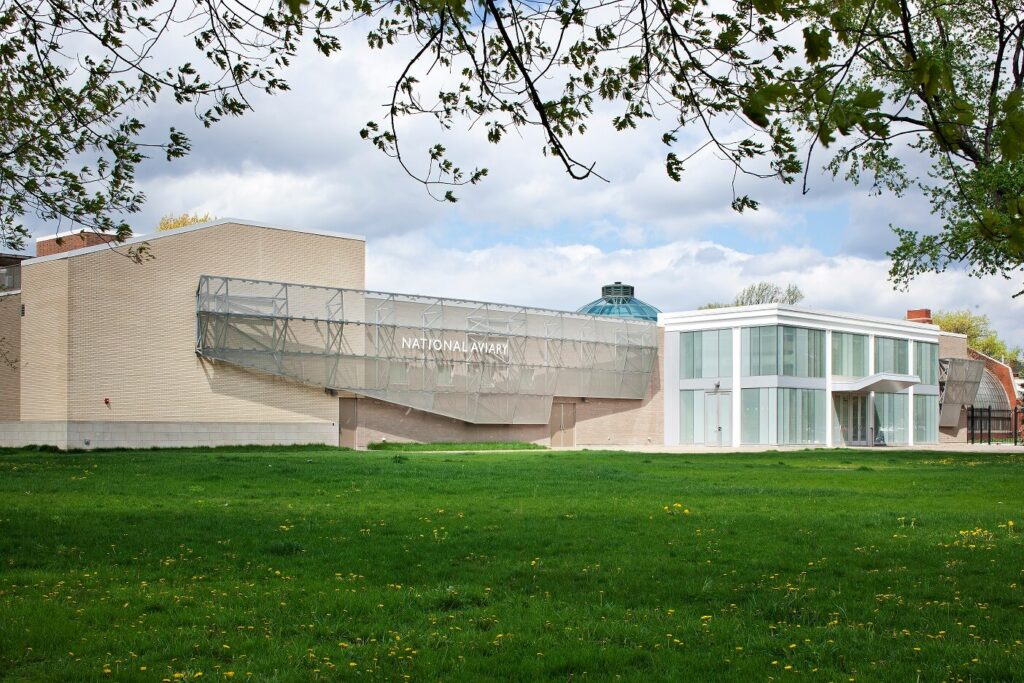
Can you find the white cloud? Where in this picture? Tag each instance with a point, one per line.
(680, 275)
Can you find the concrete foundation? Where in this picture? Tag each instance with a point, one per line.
(88, 435)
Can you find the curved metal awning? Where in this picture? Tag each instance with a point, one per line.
(888, 382)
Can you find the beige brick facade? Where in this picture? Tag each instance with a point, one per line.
(610, 422)
(100, 326)
(44, 341)
(10, 351)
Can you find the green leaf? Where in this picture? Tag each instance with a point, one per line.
(673, 166)
(295, 6)
(757, 106)
(1011, 141)
(869, 99)
(932, 74)
(817, 44)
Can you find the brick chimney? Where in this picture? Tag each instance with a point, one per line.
(69, 241)
(920, 315)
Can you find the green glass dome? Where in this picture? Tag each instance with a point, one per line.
(617, 300)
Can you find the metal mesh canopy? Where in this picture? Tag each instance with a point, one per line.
(959, 379)
(478, 362)
(617, 300)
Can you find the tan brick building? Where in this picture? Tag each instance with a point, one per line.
(103, 353)
(232, 332)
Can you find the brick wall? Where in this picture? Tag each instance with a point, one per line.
(952, 346)
(98, 326)
(44, 341)
(50, 246)
(10, 350)
(626, 422)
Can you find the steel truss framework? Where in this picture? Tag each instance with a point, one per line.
(478, 362)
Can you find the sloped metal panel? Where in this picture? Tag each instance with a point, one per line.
(477, 362)
(959, 379)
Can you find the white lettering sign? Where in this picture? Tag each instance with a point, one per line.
(464, 346)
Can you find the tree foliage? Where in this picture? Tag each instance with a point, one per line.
(173, 222)
(762, 293)
(980, 335)
(768, 293)
(877, 88)
(75, 75)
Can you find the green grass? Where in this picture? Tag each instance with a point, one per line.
(319, 564)
(456, 446)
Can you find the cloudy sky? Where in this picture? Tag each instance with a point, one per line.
(529, 234)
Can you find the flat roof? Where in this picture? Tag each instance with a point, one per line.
(769, 314)
(10, 259)
(170, 233)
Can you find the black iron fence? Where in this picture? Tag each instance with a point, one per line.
(985, 425)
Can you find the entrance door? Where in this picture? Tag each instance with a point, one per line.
(563, 425)
(348, 420)
(718, 418)
(859, 419)
(852, 415)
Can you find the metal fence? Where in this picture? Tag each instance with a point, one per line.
(994, 426)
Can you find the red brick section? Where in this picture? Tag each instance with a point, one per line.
(71, 242)
(920, 315)
(1000, 372)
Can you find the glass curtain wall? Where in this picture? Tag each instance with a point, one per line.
(891, 418)
(780, 350)
(759, 350)
(802, 416)
(758, 416)
(891, 355)
(926, 362)
(926, 419)
(691, 417)
(849, 354)
(705, 354)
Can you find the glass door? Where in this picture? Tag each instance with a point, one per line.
(718, 418)
(859, 419)
(841, 426)
(852, 419)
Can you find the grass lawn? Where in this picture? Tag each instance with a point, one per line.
(456, 446)
(308, 564)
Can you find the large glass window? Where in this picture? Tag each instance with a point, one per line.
(802, 416)
(926, 419)
(849, 354)
(891, 418)
(706, 353)
(891, 355)
(759, 350)
(756, 417)
(691, 417)
(926, 362)
(803, 352)
(790, 351)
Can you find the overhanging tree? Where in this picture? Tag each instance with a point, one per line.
(874, 88)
